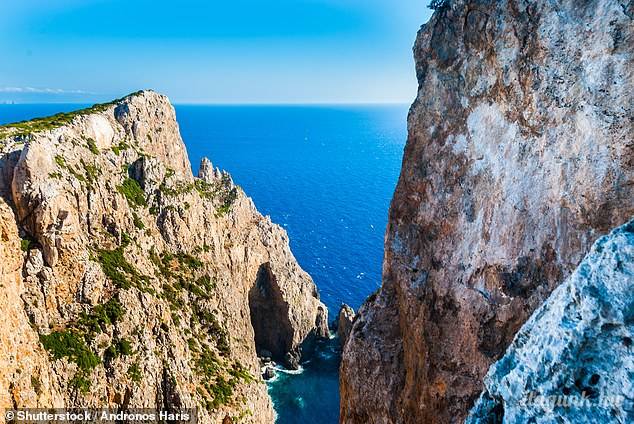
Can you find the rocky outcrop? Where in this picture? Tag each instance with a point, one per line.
(126, 281)
(572, 361)
(344, 323)
(519, 156)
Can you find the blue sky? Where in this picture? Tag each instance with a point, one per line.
(197, 51)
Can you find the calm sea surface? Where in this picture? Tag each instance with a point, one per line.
(326, 174)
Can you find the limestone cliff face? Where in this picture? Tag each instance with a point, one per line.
(520, 155)
(572, 361)
(127, 282)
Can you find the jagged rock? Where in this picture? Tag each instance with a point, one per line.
(147, 268)
(344, 323)
(519, 157)
(572, 361)
(207, 172)
(269, 373)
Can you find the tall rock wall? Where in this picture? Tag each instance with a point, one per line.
(125, 281)
(520, 155)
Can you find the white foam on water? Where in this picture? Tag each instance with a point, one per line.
(291, 372)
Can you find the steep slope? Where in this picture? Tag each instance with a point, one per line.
(520, 154)
(133, 282)
(572, 361)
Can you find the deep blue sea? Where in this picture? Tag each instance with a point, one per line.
(326, 174)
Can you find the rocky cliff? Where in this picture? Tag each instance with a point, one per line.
(520, 155)
(572, 361)
(127, 282)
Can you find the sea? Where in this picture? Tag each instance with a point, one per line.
(326, 173)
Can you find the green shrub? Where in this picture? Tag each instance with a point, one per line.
(189, 261)
(138, 222)
(101, 315)
(206, 282)
(80, 383)
(132, 192)
(134, 372)
(438, 4)
(222, 391)
(60, 161)
(92, 146)
(120, 147)
(239, 372)
(118, 348)
(92, 172)
(72, 346)
(25, 244)
(36, 384)
(206, 363)
(117, 268)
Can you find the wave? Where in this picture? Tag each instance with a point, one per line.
(281, 369)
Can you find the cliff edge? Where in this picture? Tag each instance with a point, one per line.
(127, 282)
(519, 156)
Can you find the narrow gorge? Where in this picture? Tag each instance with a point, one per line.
(520, 156)
(126, 282)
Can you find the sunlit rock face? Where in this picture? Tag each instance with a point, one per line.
(572, 361)
(520, 155)
(125, 281)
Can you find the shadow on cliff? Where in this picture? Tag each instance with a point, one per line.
(269, 316)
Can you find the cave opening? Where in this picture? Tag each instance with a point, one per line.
(269, 316)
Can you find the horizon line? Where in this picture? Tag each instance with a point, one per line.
(369, 103)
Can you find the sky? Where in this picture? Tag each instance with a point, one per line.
(210, 51)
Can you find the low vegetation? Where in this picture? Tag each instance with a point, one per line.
(120, 272)
(72, 346)
(134, 372)
(92, 146)
(101, 316)
(132, 192)
(25, 128)
(118, 348)
(120, 147)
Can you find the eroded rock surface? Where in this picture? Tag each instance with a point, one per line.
(572, 362)
(125, 281)
(520, 155)
(344, 323)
